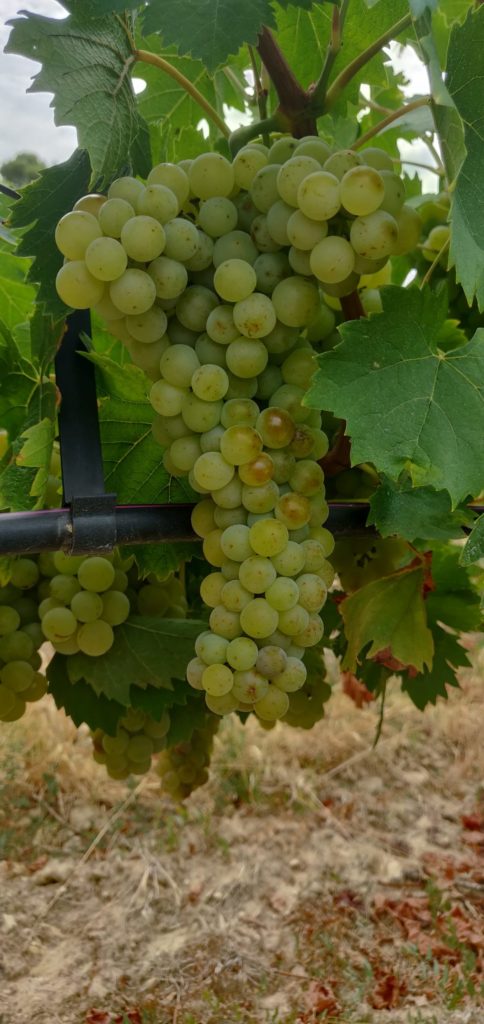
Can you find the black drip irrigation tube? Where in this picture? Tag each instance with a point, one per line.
(90, 520)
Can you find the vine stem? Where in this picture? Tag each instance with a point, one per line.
(318, 93)
(428, 275)
(260, 92)
(424, 101)
(359, 62)
(159, 62)
(294, 101)
(276, 123)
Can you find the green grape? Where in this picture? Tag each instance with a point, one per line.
(283, 149)
(200, 264)
(292, 173)
(147, 327)
(106, 259)
(217, 680)
(276, 427)
(200, 416)
(292, 677)
(318, 196)
(9, 620)
(211, 175)
(235, 280)
(159, 202)
(283, 462)
(91, 203)
(323, 324)
(95, 638)
(263, 190)
(299, 261)
(290, 561)
(362, 190)
(325, 538)
(169, 277)
(296, 301)
(268, 381)
(36, 689)
(236, 245)
(307, 478)
(277, 218)
(113, 216)
(242, 653)
(63, 588)
(17, 675)
(77, 287)
(313, 146)
(217, 216)
(26, 607)
(229, 496)
(235, 543)
(184, 452)
(258, 619)
(409, 227)
(230, 570)
(289, 397)
(341, 162)
(74, 232)
(143, 238)
(133, 293)
(394, 195)
(273, 705)
(86, 606)
(262, 498)
(260, 234)
(210, 383)
(195, 669)
(147, 357)
(249, 686)
(152, 599)
(313, 632)
(221, 705)
(243, 412)
(211, 471)
(171, 177)
(166, 399)
(294, 620)
(225, 623)
(210, 440)
(127, 188)
(378, 158)
(246, 358)
(177, 366)
(271, 661)
(178, 334)
(24, 573)
(241, 387)
(234, 596)
(194, 306)
(283, 594)
(181, 239)
(268, 537)
(256, 574)
(298, 368)
(96, 574)
(240, 444)
(116, 745)
(314, 555)
(304, 233)
(225, 517)
(375, 236)
(115, 607)
(209, 351)
(58, 624)
(270, 268)
(333, 259)
(13, 704)
(140, 749)
(312, 592)
(246, 165)
(212, 550)
(257, 472)
(220, 325)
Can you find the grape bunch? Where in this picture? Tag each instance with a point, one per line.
(138, 737)
(184, 766)
(214, 275)
(82, 600)
(20, 639)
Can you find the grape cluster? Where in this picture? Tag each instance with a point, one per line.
(82, 600)
(138, 737)
(184, 766)
(20, 639)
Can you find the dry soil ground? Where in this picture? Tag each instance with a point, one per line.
(311, 880)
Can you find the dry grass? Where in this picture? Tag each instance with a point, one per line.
(281, 893)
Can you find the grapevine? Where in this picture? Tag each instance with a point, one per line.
(282, 318)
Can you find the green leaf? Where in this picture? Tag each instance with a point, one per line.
(415, 512)
(155, 701)
(209, 31)
(304, 37)
(36, 454)
(145, 651)
(403, 398)
(447, 121)
(79, 700)
(161, 559)
(85, 64)
(465, 82)
(389, 613)
(99, 8)
(6, 564)
(45, 338)
(474, 549)
(133, 460)
(426, 687)
(185, 720)
(165, 102)
(16, 295)
(42, 204)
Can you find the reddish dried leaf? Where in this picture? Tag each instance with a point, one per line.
(321, 999)
(98, 1017)
(388, 992)
(356, 690)
(474, 822)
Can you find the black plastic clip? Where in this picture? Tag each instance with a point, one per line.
(93, 526)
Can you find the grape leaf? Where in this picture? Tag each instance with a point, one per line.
(133, 460)
(145, 651)
(474, 549)
(184, 721)
(415, 512)
(447, 121)
(35, 454)
(99, 8)
(85, 65)
(403, 398)
(388, 613)
(16, 295)
(41, 205)
(165, 101)
(79, 700)
(161, 559)
(465, 82)
(23, 478)
(432, 683)
(209, 31)
(45, 337)
(18, 383)
(155, 701)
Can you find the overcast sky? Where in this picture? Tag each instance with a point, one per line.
(27, 121)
